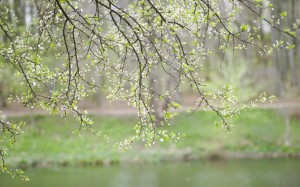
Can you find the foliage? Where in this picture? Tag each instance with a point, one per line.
(130, 44)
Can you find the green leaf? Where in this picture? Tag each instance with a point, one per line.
(283, 14)
(259, 2)
(290, 47)
(244, 27)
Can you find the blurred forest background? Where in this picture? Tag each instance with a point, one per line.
(249, 72)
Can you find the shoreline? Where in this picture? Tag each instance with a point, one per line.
(37, 164)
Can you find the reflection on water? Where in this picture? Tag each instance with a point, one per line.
(264, 173)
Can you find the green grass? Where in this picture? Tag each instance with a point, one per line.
(254, 131)
(50, 141)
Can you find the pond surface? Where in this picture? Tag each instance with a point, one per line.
(262, 173)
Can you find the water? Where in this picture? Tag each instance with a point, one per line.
(263, 173)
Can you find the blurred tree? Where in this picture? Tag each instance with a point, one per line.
(284, 64)
(134, 44)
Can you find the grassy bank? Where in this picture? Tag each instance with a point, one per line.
(48, 140)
